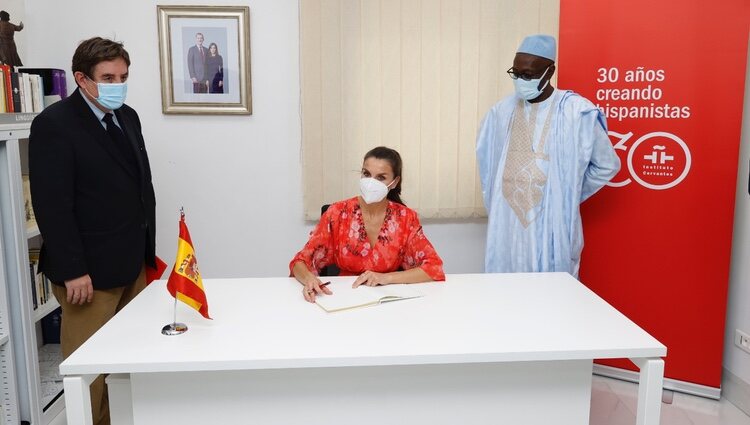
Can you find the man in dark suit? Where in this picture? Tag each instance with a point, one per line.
(197, 65)
(93, 199)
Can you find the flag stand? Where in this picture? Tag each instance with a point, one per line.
(185, 280)
(174, 328)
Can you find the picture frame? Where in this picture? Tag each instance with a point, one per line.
(204, 59)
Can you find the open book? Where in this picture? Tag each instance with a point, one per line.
(345, 297)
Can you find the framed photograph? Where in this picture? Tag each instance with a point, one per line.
(204, 54)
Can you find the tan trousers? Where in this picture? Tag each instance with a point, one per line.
(79, 322)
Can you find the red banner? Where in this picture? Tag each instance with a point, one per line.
(669, 75)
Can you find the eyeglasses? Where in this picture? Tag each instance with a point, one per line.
(526, 77)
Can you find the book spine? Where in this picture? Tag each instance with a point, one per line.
(3, 94)
(28, 96)
(63, 85)
(8, 89)
(16, 90)
(43, 284)
(38, 93)
(32, 269)
(22, 90)
(47, 288)
(34, 88)
(39, 288)
(58, 83)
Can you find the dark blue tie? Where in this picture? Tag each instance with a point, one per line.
(121, 141)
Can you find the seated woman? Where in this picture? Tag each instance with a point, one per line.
(372, 235)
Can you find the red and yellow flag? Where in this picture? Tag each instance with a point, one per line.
(185, 282)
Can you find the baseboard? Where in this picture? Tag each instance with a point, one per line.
(669, 384)
(736, 390)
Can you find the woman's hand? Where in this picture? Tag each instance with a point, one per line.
(312, 287)
(370, 278)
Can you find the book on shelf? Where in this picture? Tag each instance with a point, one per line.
(26, 95)
(3, 98)
(32, 279)
(35, 82)
(345, 297)
(34, 266)
(30, 90)
(41, 287)
(53, 82)
(6, 70)
(27, 205)
(15, 92)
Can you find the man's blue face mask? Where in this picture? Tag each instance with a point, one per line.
(111, 95)
(529, 89)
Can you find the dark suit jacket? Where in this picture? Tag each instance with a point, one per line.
(95, 210)
(197, 63)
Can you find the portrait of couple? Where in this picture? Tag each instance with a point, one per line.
(205, 66)
(204, 53)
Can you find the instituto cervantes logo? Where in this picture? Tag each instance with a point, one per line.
(657, 160)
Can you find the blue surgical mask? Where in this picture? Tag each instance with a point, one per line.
(529, 90)
(111, 95)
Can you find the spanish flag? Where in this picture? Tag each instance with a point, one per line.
(185, 282)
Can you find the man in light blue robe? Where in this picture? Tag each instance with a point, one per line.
(541, 152)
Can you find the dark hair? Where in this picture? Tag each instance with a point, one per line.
(4, 16)
(94, 50)
(393, 158)
(217, 48)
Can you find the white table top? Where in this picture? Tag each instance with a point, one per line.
(264, 323)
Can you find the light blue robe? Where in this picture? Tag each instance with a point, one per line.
(581, 161)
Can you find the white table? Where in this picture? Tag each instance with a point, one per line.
(477, 349)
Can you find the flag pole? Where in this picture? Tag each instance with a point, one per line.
(175, 328)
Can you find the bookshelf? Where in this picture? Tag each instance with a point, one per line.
(39, 394)
(8, 387)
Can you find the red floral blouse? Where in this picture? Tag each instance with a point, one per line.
(340, 238)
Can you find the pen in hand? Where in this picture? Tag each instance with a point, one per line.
(325, 290)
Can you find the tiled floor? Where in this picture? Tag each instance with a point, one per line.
(613, 402)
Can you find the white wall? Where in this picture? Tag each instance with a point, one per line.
(737, 361)
(239, 178)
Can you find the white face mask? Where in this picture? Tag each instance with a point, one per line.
(529, 90)
(373, 190)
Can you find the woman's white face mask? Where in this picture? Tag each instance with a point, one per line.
(373, 190)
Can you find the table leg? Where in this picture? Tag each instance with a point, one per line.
(120, 399)
(650, 384)
(78, 399)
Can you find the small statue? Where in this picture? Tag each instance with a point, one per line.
(8, 52)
